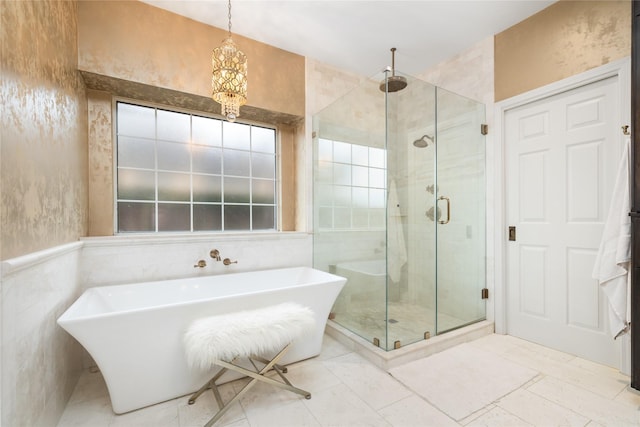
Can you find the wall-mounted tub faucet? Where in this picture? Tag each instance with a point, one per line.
(215, 254)
(201, 264)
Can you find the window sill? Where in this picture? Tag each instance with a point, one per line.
(166, 238)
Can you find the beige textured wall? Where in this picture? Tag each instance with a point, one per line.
(567, 38)
(101, 209)
(287, 194)
(43, 128)
(134, 41)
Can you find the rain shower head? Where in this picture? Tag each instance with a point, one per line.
(422, 141)
(393, 83)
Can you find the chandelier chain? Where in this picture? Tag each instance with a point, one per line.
(229, 18)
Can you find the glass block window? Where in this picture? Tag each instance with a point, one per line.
(180, 172)
(351, 190)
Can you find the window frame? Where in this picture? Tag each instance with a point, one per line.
(277, 204)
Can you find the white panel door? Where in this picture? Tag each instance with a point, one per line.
(561, 155)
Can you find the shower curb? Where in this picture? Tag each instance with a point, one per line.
(391, 359)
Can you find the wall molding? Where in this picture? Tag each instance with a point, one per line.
(15, 265)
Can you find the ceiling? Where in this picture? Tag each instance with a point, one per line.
(357, 35)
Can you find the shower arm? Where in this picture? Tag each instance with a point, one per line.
(393, 62)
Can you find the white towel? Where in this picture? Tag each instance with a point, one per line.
(614, 255)
(396, 250)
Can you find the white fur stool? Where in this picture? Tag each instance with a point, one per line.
(220, 340)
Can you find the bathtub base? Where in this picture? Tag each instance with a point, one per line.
(390, 359)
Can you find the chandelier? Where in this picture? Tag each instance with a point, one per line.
(229, 80)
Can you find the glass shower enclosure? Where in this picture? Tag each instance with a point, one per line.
(399, 208)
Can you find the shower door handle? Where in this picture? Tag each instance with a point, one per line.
(448, 210)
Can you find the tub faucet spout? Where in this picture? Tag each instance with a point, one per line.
(215, 254)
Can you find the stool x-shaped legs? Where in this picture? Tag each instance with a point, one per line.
(256, 376)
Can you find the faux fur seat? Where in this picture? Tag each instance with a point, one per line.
(245, 333)
(252, 334)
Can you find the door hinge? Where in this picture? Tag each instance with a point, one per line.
(512, 233)
(484, 129)
(485, 293)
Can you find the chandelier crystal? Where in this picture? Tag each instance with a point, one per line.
(229, 80)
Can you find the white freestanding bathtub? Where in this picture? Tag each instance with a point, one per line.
(367, 283)
(134, 332)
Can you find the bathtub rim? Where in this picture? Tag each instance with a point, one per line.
(353, 267)
(68, 317)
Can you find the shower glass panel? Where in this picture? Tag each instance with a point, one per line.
(380, 207)
(460, 234)
(350, 188)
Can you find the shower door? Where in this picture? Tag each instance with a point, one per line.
(436, 166)
(460, 197)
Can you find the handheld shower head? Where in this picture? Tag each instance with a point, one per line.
(422, 141)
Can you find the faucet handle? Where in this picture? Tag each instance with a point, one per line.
(215, 254)
(201, 264)
(227, 261)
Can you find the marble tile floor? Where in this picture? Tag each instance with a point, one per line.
(496, 380)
